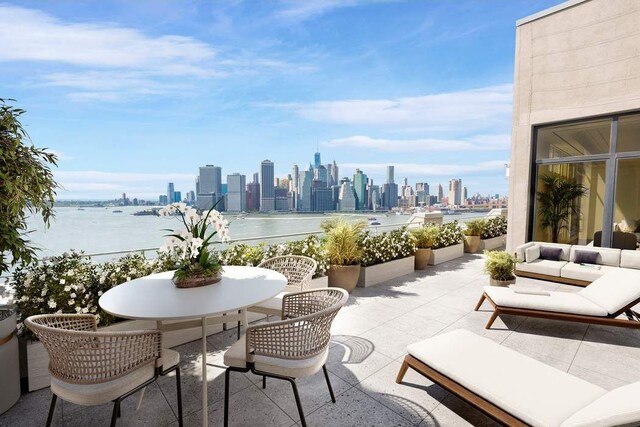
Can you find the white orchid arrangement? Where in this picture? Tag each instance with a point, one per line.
(192, 243)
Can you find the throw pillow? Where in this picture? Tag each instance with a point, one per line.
(586, 257)
(532, 253)
(550, 253)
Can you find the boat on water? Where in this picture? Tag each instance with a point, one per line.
(147, 212)
(374, 223)
(80, 209)
(117, 211)
(371, 218)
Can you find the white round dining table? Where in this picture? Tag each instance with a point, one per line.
(155, 297)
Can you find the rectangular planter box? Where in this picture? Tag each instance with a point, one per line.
(320, 282)
(493, 243)
(375, 274)
(438, 256)
(38, 359)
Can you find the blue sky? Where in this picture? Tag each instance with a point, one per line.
(132, 95)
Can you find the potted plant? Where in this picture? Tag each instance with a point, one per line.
(472, 234)
(425, 240)
(343, 251)
(557, 201)
(199, 266)
(499, 265)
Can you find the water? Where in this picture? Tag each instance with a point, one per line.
(96, 230)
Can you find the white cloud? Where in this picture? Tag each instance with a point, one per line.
(475, 143)
(420, 169)
(487, 108)
(301, 10)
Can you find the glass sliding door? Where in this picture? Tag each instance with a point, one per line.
(626, 209)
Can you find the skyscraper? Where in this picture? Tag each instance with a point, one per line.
(464, 196)
(256, 178)
(322, 175)
(236, 193)
(440, 193)
(390, 190)
(360, 186)
(335, 177)
(347, 197)
(306, 182)
(253, 196)
(316, 160)
(170, 193)
(455, 192)
(177, 196)
(209, 187)
(322, 199)
(422, 193)
(390, 175)
(267, 189)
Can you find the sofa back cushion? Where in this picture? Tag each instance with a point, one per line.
(566, 249)
(550, 253)
(520, 249)
(586, 257)
(532, 253)
(616, 408)
(630, 259)
(606, 256)
(614, 290)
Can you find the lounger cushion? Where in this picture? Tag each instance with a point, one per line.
(630, 259)
(542, 266)
(532, 391)
(587, 273)
(617, 407)
(615, 290)
(561, 302)
(606, 256)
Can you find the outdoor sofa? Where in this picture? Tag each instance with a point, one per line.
(566, 263)
(515, 389)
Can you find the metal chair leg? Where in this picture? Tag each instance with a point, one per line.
(52, 409)
(264, 382)
(226, 397)
(238, 329)
(326, 377)
(116, 410)
(303, 422)
(179, 390)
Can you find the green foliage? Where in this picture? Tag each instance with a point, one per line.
(494, 226)
(499, 265)
(448, 234)
(342, 241)
(557, 201)
(26, 186)
(387, 246)
(425, 237)
(475, 227)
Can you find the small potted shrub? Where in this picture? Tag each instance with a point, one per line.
(425, 240)
(499, 265)
(472, 234)
(344, 252)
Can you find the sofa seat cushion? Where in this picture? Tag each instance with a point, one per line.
(561, 302)
(542, 266)
(618, 407)
(587, 273)
(606, 256)
(630, 259)
(97, 394)
(532, 391)
(614, 290)
(236, 357)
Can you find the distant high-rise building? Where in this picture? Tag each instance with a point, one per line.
(374, 196)
(322, 175)
(209, 187)
(281, 199)
(191, 197)
(295, 186)
(236, 193)
(163, 200)
(360, 181)
(170, 192)
(306, 184)
(316, 160)
(267, 189)
(177, 196)
(335, 176)
(464, 195)
(330, 182)
(390, 179)
(253, 196)
(422, 193)
(440, 193)
(256, 178)
(322, 199)
(389, 195)
(347, 197)
(455, 192)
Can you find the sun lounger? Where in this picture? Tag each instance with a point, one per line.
(601, 302)
(515, 389)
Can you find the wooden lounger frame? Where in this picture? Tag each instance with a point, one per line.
(610, 320)
(550, 278)
(457, 389)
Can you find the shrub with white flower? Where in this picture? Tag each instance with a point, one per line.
(387, 246)
(192, 243)
(448, 234)
(494, 226)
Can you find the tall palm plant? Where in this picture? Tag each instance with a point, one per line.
(557, 201)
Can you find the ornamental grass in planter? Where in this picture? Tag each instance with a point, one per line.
(344, 252)
(425, 238)
(500, 265)
(472, 233)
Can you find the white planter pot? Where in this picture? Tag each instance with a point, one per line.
(438, 256)
(9, 361)
(38, 359)
(493, 243)
(375, 274)
(319, 282)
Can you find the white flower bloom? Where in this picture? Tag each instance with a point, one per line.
(73, 295)
(99, 293)
(51, 304)
(67, 288)
(71, 302)
(62, 282)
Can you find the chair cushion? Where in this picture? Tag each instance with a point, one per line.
(542, 266)
(532, 391)
(605, 256)
(97, 394)
(550, 253)
(587, 272)
(617, 407)
(274, 304)
(561, 302)
(630, 259)
(615, 290)
(532, 253)
(235, 356)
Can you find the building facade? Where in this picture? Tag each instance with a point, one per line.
(360, 181)
(236, 193)
(267, 187)
(209, 188)
(455, 192)
(347, 197)
(576, 118)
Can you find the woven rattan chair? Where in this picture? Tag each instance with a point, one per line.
(91, 368)
(292, 348)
